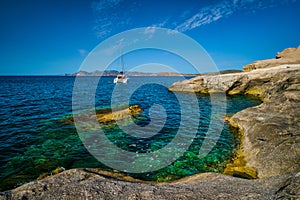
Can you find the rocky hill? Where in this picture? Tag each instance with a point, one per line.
(287, 56)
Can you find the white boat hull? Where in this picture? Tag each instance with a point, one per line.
(120, 80)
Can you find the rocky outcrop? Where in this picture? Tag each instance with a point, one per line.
(270, 131)
(270, 149)
(94, 184)
(106, 115)
(262, 83)
(287, 56)
(271, 137)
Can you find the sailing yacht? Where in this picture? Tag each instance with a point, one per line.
(121, 77)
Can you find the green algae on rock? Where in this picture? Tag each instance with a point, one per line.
(105, 115)
(238, 166)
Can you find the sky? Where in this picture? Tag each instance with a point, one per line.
(53, 37)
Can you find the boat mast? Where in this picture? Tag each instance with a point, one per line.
(122, 60)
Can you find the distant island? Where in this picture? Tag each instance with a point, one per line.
(115, 73)
(135, 73)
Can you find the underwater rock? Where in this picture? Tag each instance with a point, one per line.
(118, 114)
(107, 115)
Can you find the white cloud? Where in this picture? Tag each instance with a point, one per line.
(102, 32)
(172, 32)
(207, 15)
(110, 20)
(83, 52)
(225, 8)
(113, 48)
(150, 30)
(105, 4)
(161, 24)
(107, 16)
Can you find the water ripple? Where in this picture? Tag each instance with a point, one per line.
(33, 140)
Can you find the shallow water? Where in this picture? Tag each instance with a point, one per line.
(33, 139)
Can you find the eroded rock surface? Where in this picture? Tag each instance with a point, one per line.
(262, 82)
(89, 184)
(271, 131)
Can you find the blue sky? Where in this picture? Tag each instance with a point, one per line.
(52, 37)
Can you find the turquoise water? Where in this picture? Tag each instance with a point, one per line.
(34, 138)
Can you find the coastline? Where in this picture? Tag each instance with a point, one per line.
(270, 149)
(270, 144)
(268, 131)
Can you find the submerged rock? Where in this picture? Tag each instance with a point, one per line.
(118, 114)
(106, 115)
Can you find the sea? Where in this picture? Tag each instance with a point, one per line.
(35, 138)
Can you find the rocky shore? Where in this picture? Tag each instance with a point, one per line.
(93, 184)
(270, 131)
(270, 147)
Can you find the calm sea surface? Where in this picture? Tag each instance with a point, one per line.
(34, 138)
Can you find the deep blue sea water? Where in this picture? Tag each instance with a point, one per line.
(34, 140)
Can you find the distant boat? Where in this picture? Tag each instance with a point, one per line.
(121, 77)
